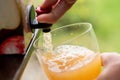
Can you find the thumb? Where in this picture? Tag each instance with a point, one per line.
(111, 64)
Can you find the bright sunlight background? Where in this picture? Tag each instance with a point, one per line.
(104, 15)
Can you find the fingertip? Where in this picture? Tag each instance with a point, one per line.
(46, 18)
(41, 19)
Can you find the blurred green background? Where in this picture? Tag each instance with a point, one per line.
(104, 15)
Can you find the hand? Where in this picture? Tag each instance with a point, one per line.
(111, 64)
(59, 7)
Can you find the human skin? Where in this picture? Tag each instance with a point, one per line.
(59, 7)
(110, 60)
(111, 64)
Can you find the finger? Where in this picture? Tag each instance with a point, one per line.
(109, 57)
(111, 64)
(105, 75)
(57, 12)
(48, 3)
(110, 72)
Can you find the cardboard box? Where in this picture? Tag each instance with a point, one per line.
(14, 33)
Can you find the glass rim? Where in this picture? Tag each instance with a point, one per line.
(82, 23)
(87, 30)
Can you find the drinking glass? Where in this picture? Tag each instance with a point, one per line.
(71, 53)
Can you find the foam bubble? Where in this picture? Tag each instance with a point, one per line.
(69, 57)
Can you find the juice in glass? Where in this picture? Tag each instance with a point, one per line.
(71, 53)
(69, 62)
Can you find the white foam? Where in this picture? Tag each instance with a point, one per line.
(47, 44)
(67, 54)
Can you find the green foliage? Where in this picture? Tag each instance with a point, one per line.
(104, 15)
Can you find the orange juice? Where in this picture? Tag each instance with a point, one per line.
(69, 62)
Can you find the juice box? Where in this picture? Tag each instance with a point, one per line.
(14, 33)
